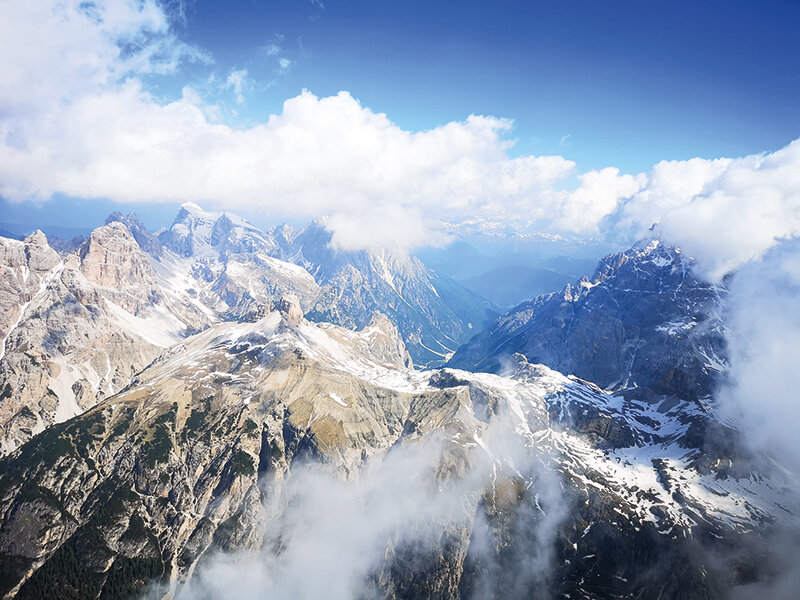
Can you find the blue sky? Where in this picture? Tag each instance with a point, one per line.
(629, 83)
(205, 103)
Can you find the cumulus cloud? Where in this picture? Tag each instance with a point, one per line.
(102, 134)
(76, 118)
(57, 52)
(726, 212)
(597, 197)
(764, 336)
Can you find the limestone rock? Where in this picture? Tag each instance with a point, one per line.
(289, 307)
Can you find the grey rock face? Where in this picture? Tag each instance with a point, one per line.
(643, 320)
(434, 314)
(290, 310)
(83, 325)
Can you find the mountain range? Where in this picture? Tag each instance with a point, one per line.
(219, 411)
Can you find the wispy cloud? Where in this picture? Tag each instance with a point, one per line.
(238, 82)
(274, 50)
(284, 64)
(274, 47)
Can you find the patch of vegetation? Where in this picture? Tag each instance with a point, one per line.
(12, 569)
(243, 463)
(191, 428)
(114, 501)
(34, 493)
(157, 449)
(130, 577)
(275, 450)
(137, 530)
(124, 422)
(68, 574)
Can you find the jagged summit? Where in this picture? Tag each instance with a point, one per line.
(433, 313)
(146, 240)
(643, 319)
(192, 211)
(290, 309)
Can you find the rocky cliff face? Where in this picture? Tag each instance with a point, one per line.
(434, 314)
(642, 320)
(79, 326)
(112, 259)
(225, 266)
(407, 484)
(27, 268)
(235, 270)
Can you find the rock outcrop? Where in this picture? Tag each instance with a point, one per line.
(112, 259)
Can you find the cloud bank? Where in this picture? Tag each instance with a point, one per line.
(725, 211)
(417, 502)
(764, 334)
(76, 118)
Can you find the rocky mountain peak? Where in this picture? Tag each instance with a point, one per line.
(199, 233)
(146, 240)
(38, 254)
(111, 258)
(37, 238)
(643, 319)
(289, 307)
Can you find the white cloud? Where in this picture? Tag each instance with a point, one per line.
(597, 197)
(238, 82)
(726, 212)
(77, 119)
(764, 336)
(60, 51)
(101, 134)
